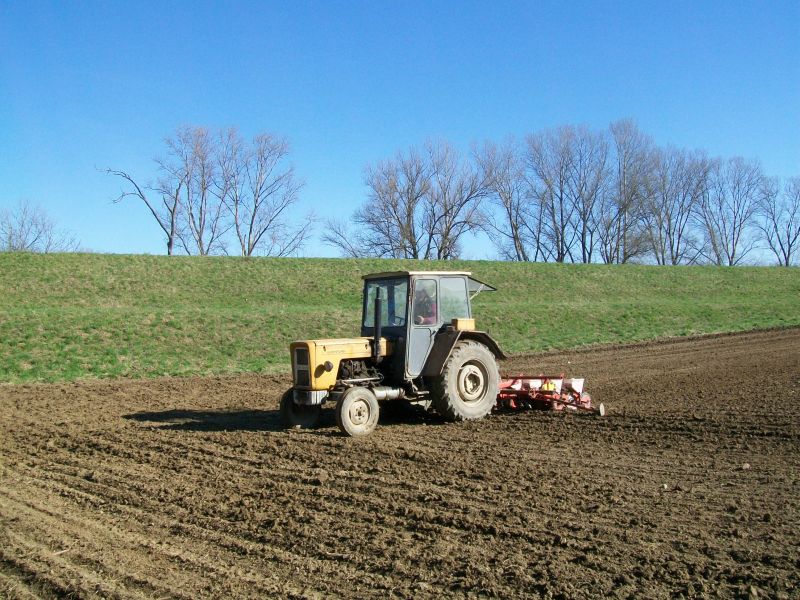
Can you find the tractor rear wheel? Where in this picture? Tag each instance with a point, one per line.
(298, 416)
(468, 385)
(357, 411)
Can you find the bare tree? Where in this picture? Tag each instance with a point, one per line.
(170, 191)
(588, 183)
(678, 181)
(419, 206)
(193, 153)
(619, 219)
(391, 223)
(259, 188)
(514, 233)
(186, 210)
(453, 200)
(726, 210)
(210, 184)
(549, 161)
(29, 228)
(779, 218)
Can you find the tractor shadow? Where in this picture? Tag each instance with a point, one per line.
(392, 414)
(209, 420)
(400, 413)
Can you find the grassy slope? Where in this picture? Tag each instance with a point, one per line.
(71, 316)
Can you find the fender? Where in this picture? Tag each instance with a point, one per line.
(445, 341)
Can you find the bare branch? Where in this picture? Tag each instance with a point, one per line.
(350, 243)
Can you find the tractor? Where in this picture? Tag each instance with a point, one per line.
(418, 344)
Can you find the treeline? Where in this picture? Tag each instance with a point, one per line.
(574, 194)
(565, 194)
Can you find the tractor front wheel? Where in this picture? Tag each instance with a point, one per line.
(298, 416)
(467, 388)
(357, 411)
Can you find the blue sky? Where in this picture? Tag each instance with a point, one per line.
(96, 84)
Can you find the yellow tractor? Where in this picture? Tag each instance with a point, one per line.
(418, 344)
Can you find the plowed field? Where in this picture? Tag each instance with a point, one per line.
(187, 488)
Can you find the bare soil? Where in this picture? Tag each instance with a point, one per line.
(187, 488)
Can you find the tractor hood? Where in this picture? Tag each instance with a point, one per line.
(315, 363)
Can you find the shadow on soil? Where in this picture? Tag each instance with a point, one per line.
(210, 420)
(265, 420)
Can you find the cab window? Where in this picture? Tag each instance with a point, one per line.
(453, 298)
(394, 301)
(425, 303)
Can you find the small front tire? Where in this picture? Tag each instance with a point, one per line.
(298, 416)
(357, 412)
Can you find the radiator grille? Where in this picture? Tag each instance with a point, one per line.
(302, 376)
(301, 357)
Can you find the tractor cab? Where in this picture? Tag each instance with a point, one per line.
(412, 308)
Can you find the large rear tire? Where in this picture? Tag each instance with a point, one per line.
(468, 385)
(357, 411)
(298, 416)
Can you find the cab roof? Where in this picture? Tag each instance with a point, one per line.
(415, 273)
(475, 286)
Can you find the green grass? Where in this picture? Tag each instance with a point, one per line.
(73, 316)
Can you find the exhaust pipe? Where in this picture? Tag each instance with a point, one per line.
(384, 392)
(376, 345)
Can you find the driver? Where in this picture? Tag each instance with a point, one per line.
(424, 307)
